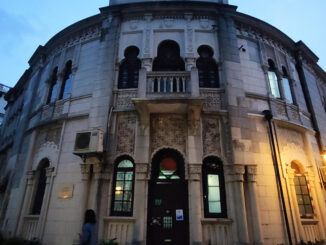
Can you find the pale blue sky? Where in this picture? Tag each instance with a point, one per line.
(25, 24)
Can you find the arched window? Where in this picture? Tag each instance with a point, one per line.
(129, 69)
(66, 83)
(53, 90)
(40, 186)
(168, 57)
(302, 192)
(123, 187)
(286, 86)
(213, 188)
(207, 68)
(273, 79)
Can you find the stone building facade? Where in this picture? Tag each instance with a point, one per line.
(177, 122)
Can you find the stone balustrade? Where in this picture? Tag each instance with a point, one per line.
(168, 82)
(30, 227)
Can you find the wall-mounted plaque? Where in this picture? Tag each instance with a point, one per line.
(66, 191)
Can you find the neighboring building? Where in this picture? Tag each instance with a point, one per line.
(159, 117)
(3, 90)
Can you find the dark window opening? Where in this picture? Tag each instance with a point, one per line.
(213, 188)
(40, 187)
(53, 90)
(168, 57)
(207, 68)
(123, 187)
(66, 84)
(129, 69)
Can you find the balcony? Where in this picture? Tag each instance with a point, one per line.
(168, 82)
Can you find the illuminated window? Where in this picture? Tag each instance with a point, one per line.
(122, 201)
(273, 79)
(213, 188)
(302, 193)
(286, 86)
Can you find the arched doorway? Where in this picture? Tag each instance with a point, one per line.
(168, 219)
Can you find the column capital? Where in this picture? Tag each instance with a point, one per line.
(97, 171)
(195, 171)
(251, 173)
(30, 176)
(234, 172)
(85, 170)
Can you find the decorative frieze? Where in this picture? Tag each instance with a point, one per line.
(126, 124)
(124, 100)
(211, 135)
(214, 99)
(168, 130)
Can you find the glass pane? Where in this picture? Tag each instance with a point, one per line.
(302, 180)
(175, 177)
(302, 209)
(306, 199)
(120, 175)
(119, 186)
(213, 193)
(273, 84)
(118, 195)
(117, 206)
(296, 180)
(168, 164)
(213, 180)
(126, 207)
(161, 177)
(125, 164)
(297, 190)
(128, 185)
(287, 90)
(214, 207)
(128, 175)
(127, 196)
(308, 209)
(300, 199)
(304, 189)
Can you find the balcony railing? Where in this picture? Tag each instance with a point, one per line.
(168, 82)
(30, 227)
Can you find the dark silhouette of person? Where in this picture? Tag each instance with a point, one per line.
(89, 234)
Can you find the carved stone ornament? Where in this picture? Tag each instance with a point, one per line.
(204, 23)
(47, 150)
(234, 172)
(251, 172)
(211, 135)
(85, 170)
(126, 126)
(133, 24)
(195, 171)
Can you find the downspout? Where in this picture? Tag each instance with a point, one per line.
(269, 116)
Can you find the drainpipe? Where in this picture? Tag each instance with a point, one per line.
(269, 116)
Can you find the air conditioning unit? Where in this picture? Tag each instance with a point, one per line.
(323, 173)
(88, 142)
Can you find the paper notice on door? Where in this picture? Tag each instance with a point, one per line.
(179, 214)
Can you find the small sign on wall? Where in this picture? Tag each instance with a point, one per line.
(66, 191)
(179, 214)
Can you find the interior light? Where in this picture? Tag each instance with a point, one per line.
(323, 155)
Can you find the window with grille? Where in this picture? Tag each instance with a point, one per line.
(123, 187)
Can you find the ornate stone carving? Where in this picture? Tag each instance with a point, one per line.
(195, 171)
(148, 18)
(214, 99)
(204, 23)
(85, 170)
(189, 33)
(251, 172)
(234, 173)
(133, 24)
(168, 130)
(47, 150)
(124, 102)
(211, 135)
(126, 123)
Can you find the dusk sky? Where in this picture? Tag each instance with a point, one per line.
(25, 24)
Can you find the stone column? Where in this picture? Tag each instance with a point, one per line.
(195, 201)
(27, 200)
(85, 170)
(140, 198)
(93, 192)
(251, 179)
(234, 178)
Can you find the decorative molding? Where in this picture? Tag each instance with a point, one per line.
(124, 100)
(211, 135)
(47, 150)
(214, 99)
(126, 128)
